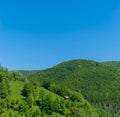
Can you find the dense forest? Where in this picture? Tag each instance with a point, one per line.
(77, 88)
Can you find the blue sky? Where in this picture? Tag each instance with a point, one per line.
(36, 34)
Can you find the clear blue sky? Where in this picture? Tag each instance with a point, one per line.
(37, 34)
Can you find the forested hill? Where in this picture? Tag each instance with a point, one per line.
(115, 64)
(98, 82)
(27, 73)
(22, 98)
(92, 87)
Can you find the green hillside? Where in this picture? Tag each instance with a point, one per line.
(19, 98)
(99, 83)
(115, 64)
(77, 88)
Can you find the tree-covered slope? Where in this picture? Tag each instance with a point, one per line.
(97, 82)
(28, 99)
(26, 73)
(115, 64)
(92, 87)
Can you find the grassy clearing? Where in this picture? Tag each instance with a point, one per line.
(16, 87)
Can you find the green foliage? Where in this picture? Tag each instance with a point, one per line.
(115, 64)
(92, 88)
(4, 85)
(27, 89)
(15, 75)
(98, 82)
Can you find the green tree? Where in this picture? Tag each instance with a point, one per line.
(27, 89)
